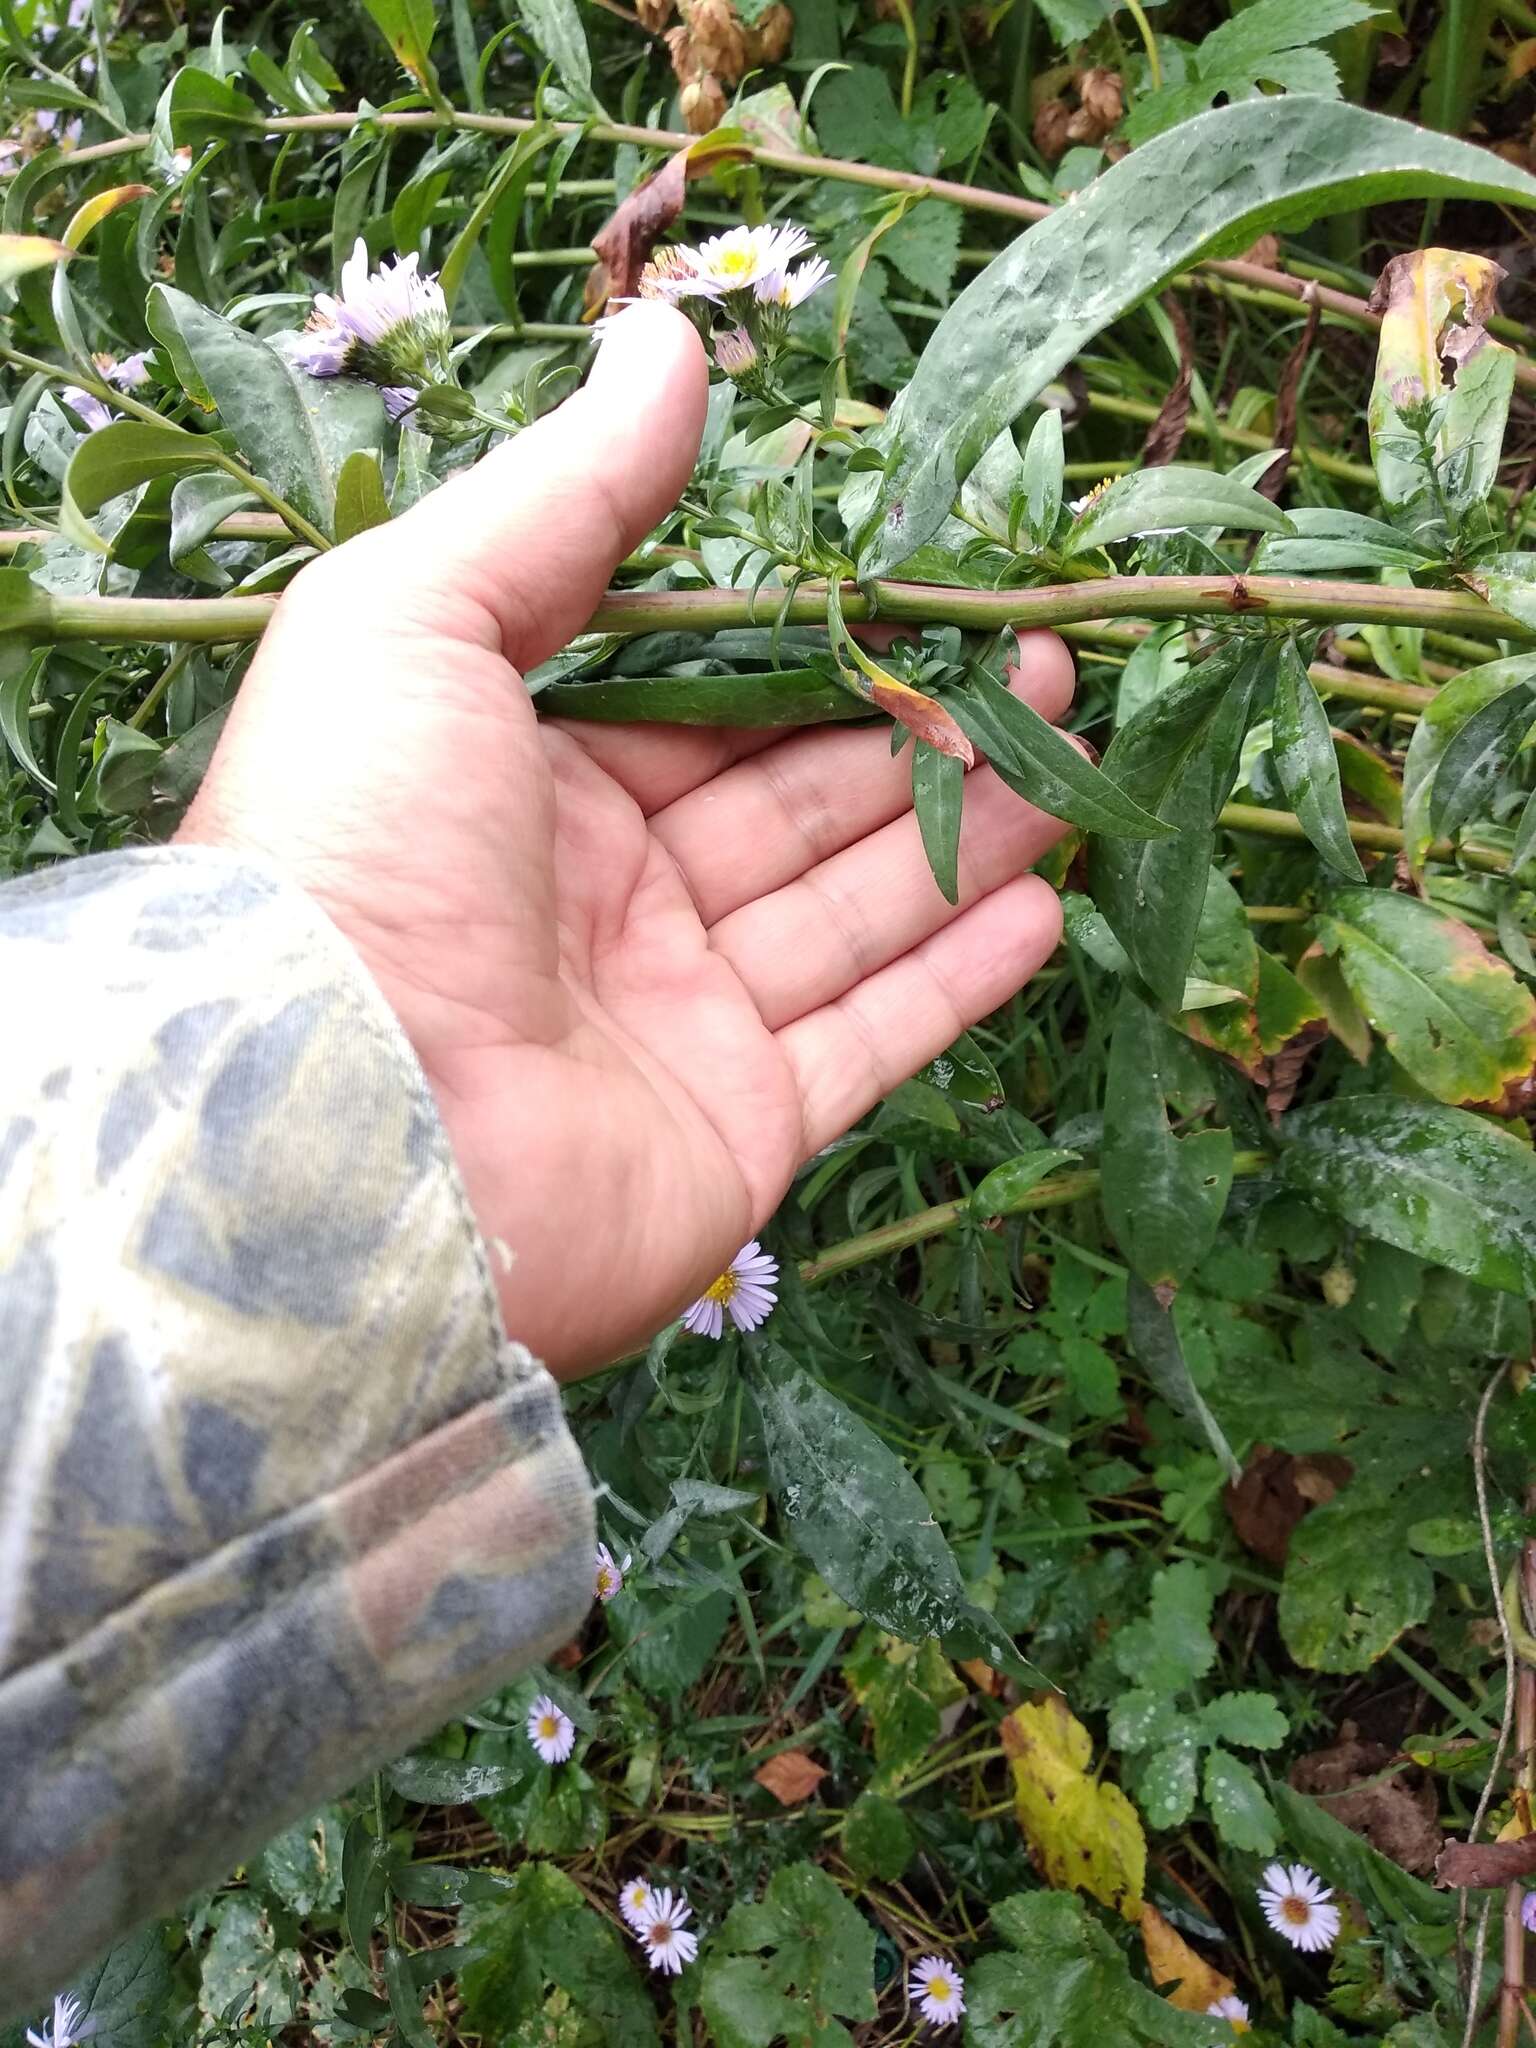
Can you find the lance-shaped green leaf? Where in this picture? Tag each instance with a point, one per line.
(1155, 1339)
(1163, 1196)
(1326, 542)
(1308, 767)
(851, 1505)
(1439, 723)
(1037, 761)
(1440, 1183)
(196, 108)
(408, 26)
(556, 27)
(1172, 496)
(360, 499)
(1177, 758)
(115, 459)
(1450, 1012)
(1480, 754)
(938, 791)
(1037, 500)
(790, 696)
(1206, 188)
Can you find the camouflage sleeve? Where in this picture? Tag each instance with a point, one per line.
(276, 1493)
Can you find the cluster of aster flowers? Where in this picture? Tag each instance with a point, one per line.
(388, 326)
(657, 1918)
(739, 290)
(746, 1292)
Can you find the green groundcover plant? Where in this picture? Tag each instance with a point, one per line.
(1067, 1584)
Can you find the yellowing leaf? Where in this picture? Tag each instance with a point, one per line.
(21, 253)
(1084, 1835)
(96, 210)
(1185, 1979)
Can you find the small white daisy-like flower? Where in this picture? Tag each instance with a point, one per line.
(1230, 2008)
(552, 1733)
(69, 2025)
(669, 1945)
(746, 1291)
(635, 1901)
(938, 1990)
(608, 1574)
(740, 258)
(1295, 1903)
(735, 352)
(791, 288)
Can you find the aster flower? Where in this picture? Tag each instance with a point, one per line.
(608, 1574)
(938, 1990)
(1230, 2008)
(91, 411)
(1528, 1912)
(735, 352)
(743, 257)
(635, 1901)
(746, 1291)
(791, 288)
(389, 326)
(668, 1944)
(552, 1733)
(69, 2025)
(1294, 1902)
(130, 373)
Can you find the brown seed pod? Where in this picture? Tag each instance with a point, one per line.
(703, 103)
(654, 14)
(1101, 96)
(1052, 125)
(719, 40)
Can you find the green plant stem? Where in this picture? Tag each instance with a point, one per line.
(1380, 692)
(1057, 1192)
(1148, 41)
(1303, 455)
(793, 163)
(1376, 838)
(125, 403)
(115, 620)
(162, 683)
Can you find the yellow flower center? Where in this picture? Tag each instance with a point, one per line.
(723, 1289)
(1296, 1910)
(604, 1579)
(549, 1727)
(940, 1990)
(736, 262)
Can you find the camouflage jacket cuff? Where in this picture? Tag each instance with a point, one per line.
(276, 1493)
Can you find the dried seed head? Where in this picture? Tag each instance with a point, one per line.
(704, 104)
(1052, 128)
(719, 41)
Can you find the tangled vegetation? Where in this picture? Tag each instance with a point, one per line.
(1132, 1486)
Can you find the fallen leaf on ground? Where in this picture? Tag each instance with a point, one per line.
(1084, 1835)
(791, 1776)
(1185, 1979)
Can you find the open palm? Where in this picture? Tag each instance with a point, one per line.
(647, 971)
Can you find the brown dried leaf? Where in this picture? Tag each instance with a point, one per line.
(1052, 129)
(791, 1776)
(1102, 98)
(624, 242)
(1396, 1814)
(1171, 1961)
(1480, 1866)
(1166, 432)
(1272, 482)
(1266, 1505)
(1287, 1064)
(1435, 305)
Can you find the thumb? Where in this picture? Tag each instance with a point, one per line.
(519, 549)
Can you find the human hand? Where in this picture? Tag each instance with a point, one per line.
(647, 970)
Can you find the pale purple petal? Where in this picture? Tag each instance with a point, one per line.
(91, 411)
(704, 1318)
(398, 399)
(131, 372)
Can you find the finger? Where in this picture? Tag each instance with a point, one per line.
(850, 1053)
(851, 915)
(757, 825)
(524, 543)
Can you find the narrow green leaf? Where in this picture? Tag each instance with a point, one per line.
(938, 792)
(1040, 482)
(360, 499)
(792, 696)
(1206, 188)
(1439, 723)
(1177, 758)
(1448, 1186)
(1174, 495)
(1480, 754)
(1155, 1339)
(1308, 767)
(1005, 1187)
(555, 26)
(116, 458)
(1042, 765)
(1163, 1196)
